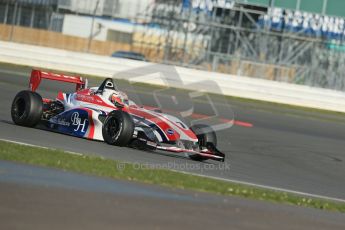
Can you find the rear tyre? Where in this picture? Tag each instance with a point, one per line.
(118, 128)
(205, 135)
(27, 108)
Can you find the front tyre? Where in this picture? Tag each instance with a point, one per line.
(206, 136)
(27, 108)
(118, 128)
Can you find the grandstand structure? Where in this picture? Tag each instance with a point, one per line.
(296, 41)
(39, 14)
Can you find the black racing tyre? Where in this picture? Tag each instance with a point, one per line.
(205, 134)
(27, 108)
(118, 128)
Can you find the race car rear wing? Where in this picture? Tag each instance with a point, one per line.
(38, 75)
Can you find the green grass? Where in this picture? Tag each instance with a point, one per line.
(98, 166)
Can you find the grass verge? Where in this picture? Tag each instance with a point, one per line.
(118, 170)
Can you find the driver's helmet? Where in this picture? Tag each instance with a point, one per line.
(118, 97)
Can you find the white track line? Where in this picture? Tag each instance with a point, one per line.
(212, 177)
(38, 146)
(267, 187)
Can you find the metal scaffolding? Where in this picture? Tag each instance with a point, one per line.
(230, 40)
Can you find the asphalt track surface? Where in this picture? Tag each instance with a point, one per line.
(286, 148)
(35, 198)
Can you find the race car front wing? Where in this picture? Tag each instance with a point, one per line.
(210, 152)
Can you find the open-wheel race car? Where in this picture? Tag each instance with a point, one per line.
(106, 114)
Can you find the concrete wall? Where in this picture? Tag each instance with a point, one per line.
(58, 40)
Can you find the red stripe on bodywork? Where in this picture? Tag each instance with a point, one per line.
(156, 120)
(203, 116)
(188, 132)
(93, 99)
(91, 124)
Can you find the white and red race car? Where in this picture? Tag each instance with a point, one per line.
(103, 113)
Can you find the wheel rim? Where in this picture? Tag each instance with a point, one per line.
(113, 128)
(19, 107)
